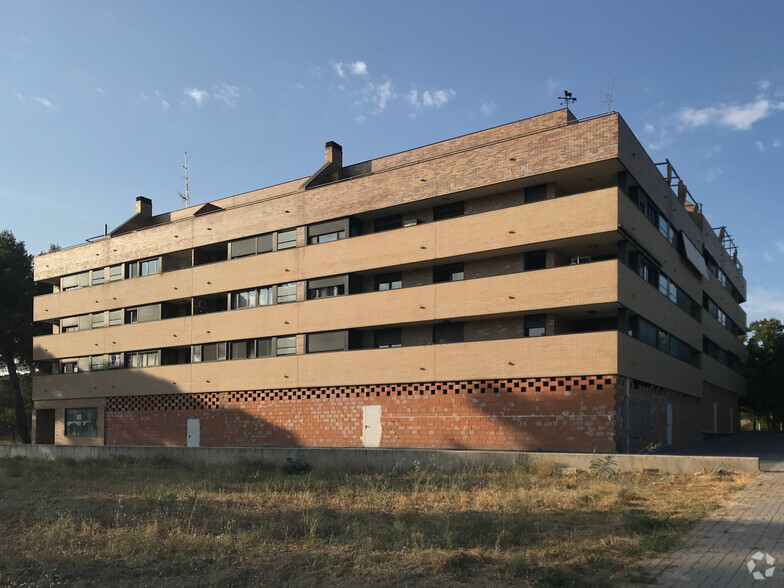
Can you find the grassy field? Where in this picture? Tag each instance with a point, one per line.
(124, 523)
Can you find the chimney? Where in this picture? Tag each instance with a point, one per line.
(143, 206)
(333, 153)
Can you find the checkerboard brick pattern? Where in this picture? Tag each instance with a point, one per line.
(574, 413)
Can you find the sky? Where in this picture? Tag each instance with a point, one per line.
(99, 101)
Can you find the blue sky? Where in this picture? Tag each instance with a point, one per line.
(99, 100)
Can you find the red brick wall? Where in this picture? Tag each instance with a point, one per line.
(691, 416)
(567, 414)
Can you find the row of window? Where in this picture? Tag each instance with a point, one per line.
(721, 355)
(645, 331)
(654, 215)
(245, 349)
(99, 276)
(322, 232)
(659, 280)
(717, 313)
(714, 268)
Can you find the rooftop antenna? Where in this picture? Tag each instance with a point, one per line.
(186, 198)
(567, 99)
(610, 95)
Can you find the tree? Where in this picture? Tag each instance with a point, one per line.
(765, 372)
(8, 425)
(16, 319)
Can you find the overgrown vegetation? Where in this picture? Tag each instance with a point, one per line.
(154, 523)
(9, 428)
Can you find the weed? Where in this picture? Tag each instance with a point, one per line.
(295, 467)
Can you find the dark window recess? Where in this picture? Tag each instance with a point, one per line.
(535, 260)
(450, 210)
(334, 341)
(595, 324)
(448, 333)
(175, 356)
(334, 230)
(451, 272)
(650, 334)
(388, 223)
(175, 309)
(534, 325)
(242, 350)
(81, 422)
(391, 281)
(536, 193)
(210, 253)
(334, 286)
(384, 338)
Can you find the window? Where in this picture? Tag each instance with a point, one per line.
(115, 361)
(287, 292)
(264, 347)
(388, 223)
(97, 277)
(115, 273)
(131, 316)
(96, 363)
(385, 338)
(242, 350)
(242, 247)
(535, 193)
(70, 366)
(285, 345)
(244, 299)
(198, 354)
(534, 260)
(75, 281)
(452, 272)
(534, 325)
(209, 352)
(96, 321)
(142, 359)
(266, 296)
(450, 210)
(132, 270)
(70, 324)
(115, 317)
(448, 333)
(81, 422)
(390, 281)
(326, 291)
(327, 237)
(287, 239)
(149, 266)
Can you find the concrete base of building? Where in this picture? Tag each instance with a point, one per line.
(360, 458)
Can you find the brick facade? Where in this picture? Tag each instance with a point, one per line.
(576, 414)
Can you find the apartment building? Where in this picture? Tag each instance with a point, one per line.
(538, 285)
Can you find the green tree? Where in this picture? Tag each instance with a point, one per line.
(16, 316)
(8, 424)
(765, 372)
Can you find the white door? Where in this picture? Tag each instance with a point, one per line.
(669, 424)
(371, 425)
(194, 432)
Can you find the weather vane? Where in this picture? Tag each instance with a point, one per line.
(567, 99)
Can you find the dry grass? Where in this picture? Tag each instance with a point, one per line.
(126, 523)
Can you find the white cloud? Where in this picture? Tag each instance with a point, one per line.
(43, 101)
(380, 94)
(649, 128)
(488, 108)
(430, 98)
(767, 257)
(227, 94)
(738, 118)
(361, 119)
(776, 144)
(355, 68)
(20, 97)
(760, 146)
(764, 86)
(197, 95)
(359, 68)
(764, 303)
(779, 245)
(100, 90)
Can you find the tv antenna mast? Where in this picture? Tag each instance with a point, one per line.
(186, 198)
(567, 99)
